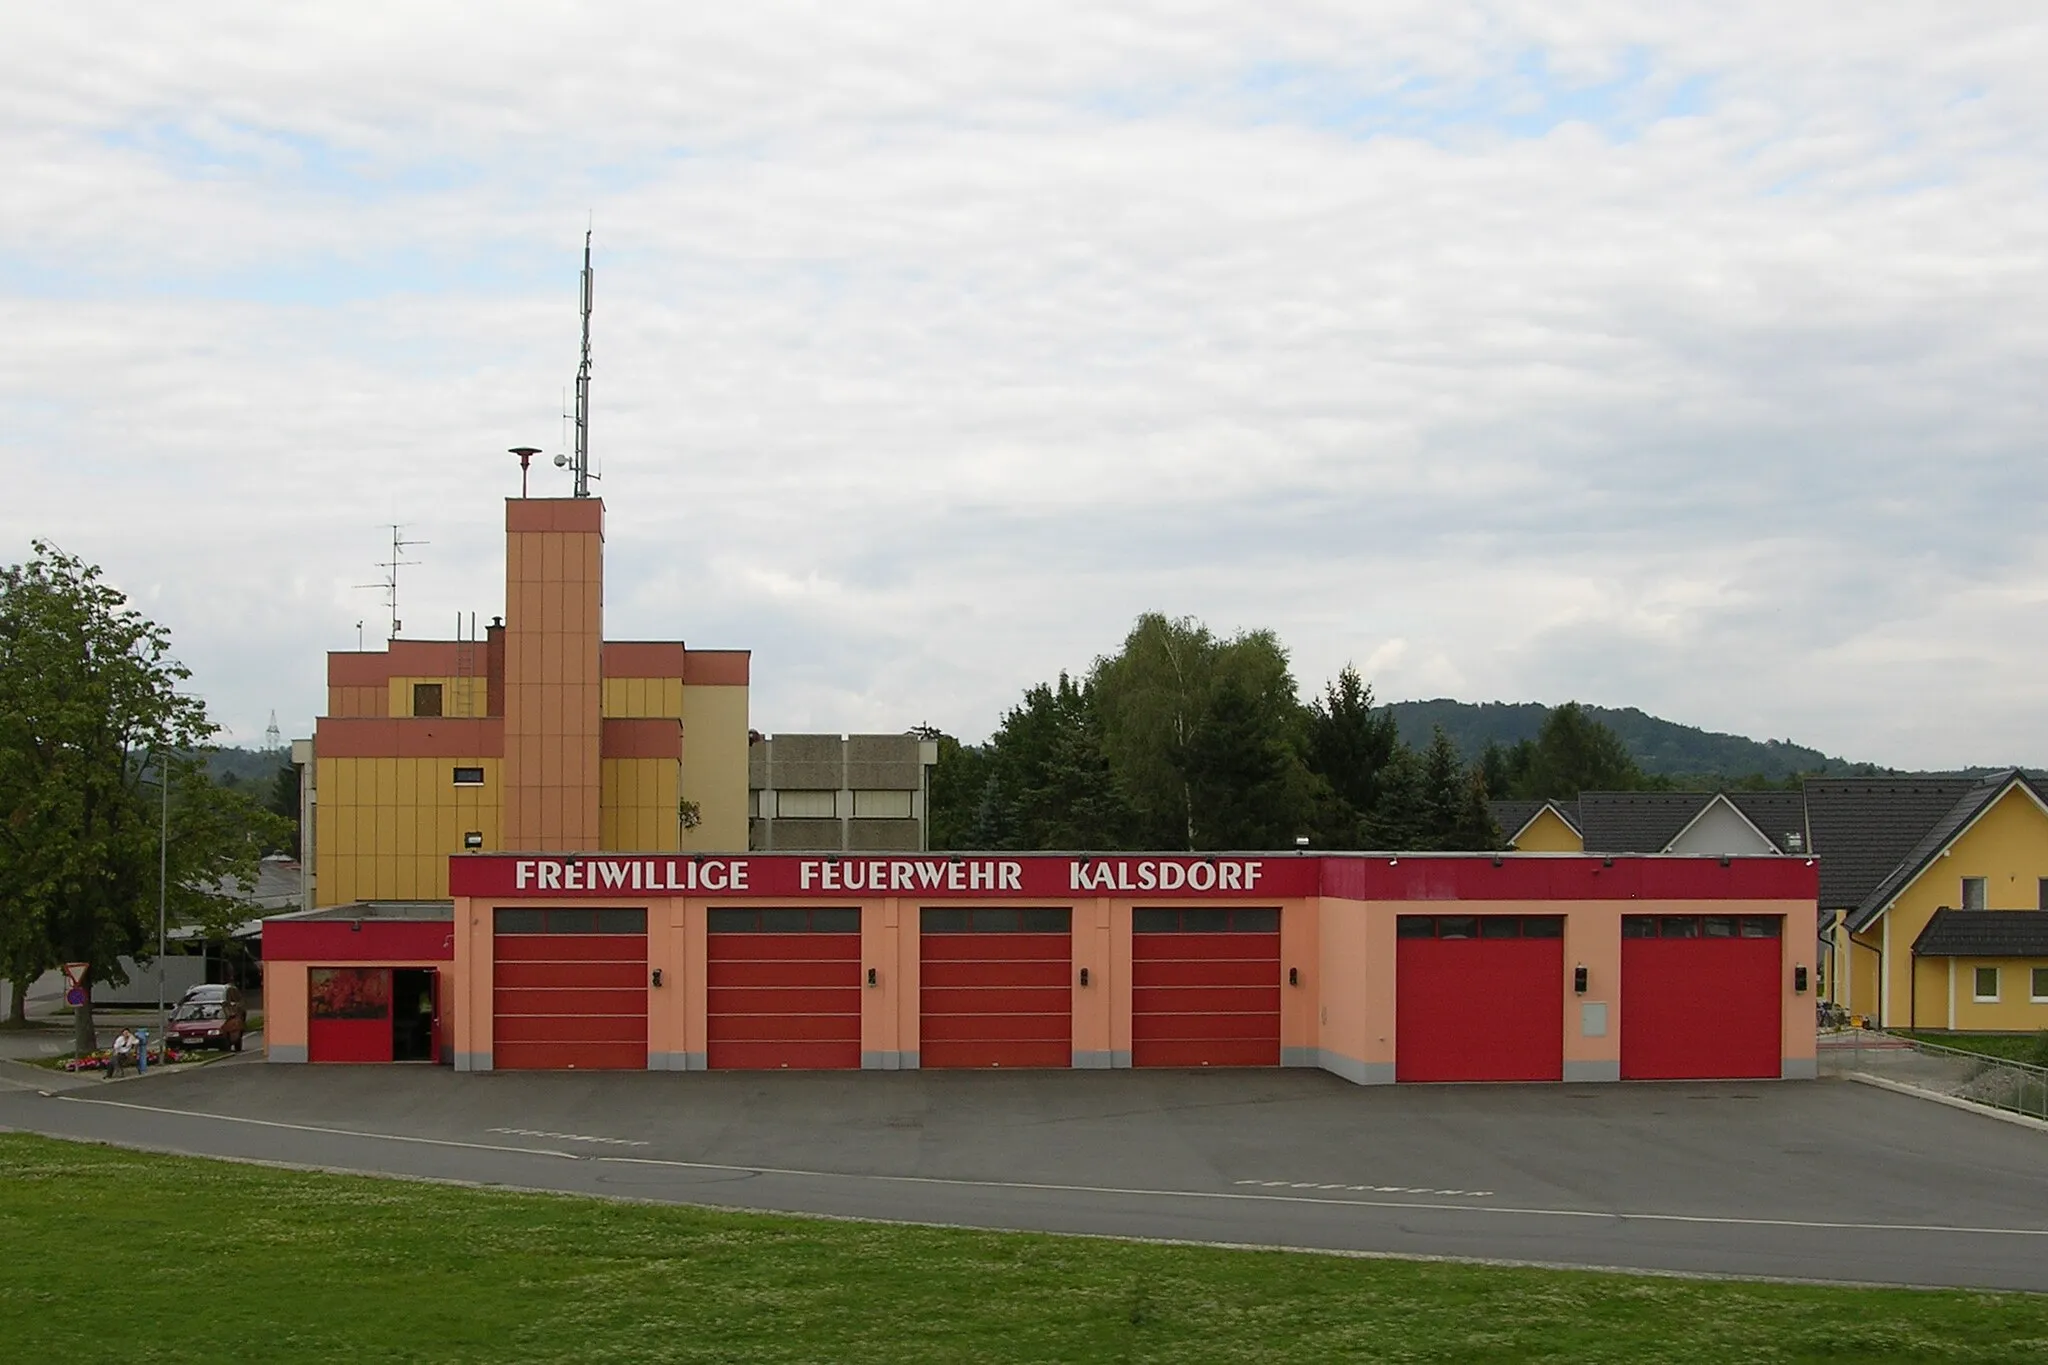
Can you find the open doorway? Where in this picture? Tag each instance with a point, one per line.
(412, 1014)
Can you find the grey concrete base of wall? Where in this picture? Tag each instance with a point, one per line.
(1301, 1056)
(472, 1061)
(285, 1052)
(1970, 1106)
(888, 1061)
(1800, 1069)
(676, 1061)
(1576, 1072)
(1102, 1061)
(1353, 1070)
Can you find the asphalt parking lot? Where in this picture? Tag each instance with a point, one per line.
(1823, 1180)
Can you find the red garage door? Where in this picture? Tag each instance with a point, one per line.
(784, 989)
(1701, 997)
(994, 988)
(1479, 998)
(1205, 988)
(569, 990)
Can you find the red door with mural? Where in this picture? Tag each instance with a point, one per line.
(995, 988)
(1479, 998)
(348, 1014)
(1701, 997)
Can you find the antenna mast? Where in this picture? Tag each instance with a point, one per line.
(582, 458)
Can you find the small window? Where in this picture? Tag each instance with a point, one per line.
(1986, 985)
(807, 805)
(469, 777)
(1638, 926)
(1718, 926)
(1155, 921)
(522, 921)
(881, 805)
(1678, 926)
(1046, 921)
(2044, 893)
(1543, 926)
(1973, 893)
(1457, 926)
(944, 921)
(1255, 921)
(1761, 926)
(1414, 926)
(426, 699)
(2040, 985)
(1499, 926)
(1205, 921)
(621, 922)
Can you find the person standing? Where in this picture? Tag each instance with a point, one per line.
(124, 1052)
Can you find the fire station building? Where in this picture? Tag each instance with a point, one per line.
(538, 860)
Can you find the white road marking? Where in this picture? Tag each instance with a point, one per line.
(1593, 1214)
(566, 1137)
(1366, 1189)
(316, 1128)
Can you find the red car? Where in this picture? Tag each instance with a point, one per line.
(208, 1023)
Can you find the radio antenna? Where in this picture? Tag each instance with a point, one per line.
(582, 457)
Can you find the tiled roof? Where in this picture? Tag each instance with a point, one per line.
(1637, 822)
(1513, 816)
(1984, 933)
(1863, 828)
(1779, 815)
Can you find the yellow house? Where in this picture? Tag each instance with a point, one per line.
(1936, 891)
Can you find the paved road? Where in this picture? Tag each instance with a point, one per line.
(1828, 1180)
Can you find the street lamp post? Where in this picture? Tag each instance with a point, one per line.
(163, 865)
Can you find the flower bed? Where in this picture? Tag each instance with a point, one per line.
(103, 1060)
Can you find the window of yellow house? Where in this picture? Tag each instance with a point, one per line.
(426, 699)
(2040, 991)
(469, 777)
(1973, 893)
(2044, 893)
(1985, 988)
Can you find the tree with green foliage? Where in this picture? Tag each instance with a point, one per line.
(283, 802)
(91, 725)
(1572, 753)
(1350, 741)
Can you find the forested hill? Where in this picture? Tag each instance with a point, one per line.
(1662, 748)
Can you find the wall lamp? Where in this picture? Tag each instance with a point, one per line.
(874, 978)
(1579, 980)
(1294, 976)
(1084, 976)
(1301, 841)
(657, 976)
(473, 839)
(1799, 980)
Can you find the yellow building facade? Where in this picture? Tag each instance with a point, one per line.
(434, 747)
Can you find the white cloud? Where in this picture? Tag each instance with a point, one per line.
(1680, 356)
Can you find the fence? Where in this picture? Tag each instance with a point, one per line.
(1995, 1082)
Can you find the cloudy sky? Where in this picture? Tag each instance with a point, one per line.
(1681, 356)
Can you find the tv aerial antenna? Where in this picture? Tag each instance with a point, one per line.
(389, 583)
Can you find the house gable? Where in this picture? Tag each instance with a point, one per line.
(1547, 832)
(1721, 828)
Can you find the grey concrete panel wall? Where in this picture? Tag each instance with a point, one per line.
(1092, 1061)
(878, 836)
(805, 777)
(806, 836)
(757, 835)
(823, 749)
(1301, 1056)
(286, 1052)
(472, 1061)
(899, 749)
(899, 777)
(757, 765)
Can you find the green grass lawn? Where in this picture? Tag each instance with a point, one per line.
(125, 1256)
(2012, 1047)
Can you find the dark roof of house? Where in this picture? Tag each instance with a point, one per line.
(1647, 822)
(1938, 835)
(1863, 828)
(1780, 815)
(1637, 822)
(1984, 933)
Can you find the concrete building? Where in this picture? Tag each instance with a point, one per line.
(840, 793)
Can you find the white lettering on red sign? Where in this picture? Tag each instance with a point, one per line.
(1145, 874)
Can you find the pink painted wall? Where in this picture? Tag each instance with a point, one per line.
(284, 1005)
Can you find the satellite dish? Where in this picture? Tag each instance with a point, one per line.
(561, 460)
